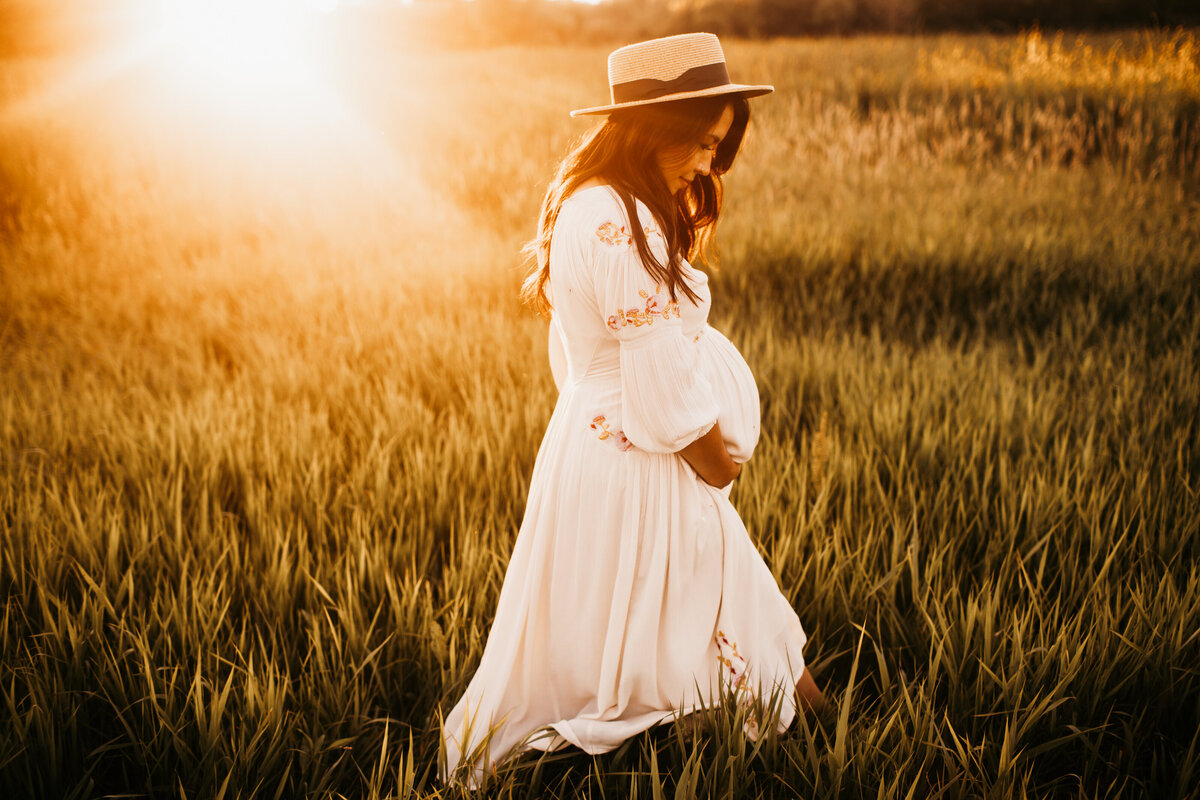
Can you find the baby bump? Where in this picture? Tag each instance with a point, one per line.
(736, 393)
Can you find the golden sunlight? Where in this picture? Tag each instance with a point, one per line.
(246, 44)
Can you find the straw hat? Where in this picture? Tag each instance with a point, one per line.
(671, 68)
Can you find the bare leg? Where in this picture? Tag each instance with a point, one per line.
(811, 701)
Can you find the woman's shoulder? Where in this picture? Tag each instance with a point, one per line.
(592, 201)
(597, 212)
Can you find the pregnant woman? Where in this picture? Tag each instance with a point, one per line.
(634, 595)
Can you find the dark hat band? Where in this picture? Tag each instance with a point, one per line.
(707, 76)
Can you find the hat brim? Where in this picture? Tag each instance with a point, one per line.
(715, 91)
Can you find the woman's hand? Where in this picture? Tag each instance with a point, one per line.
(711, 460)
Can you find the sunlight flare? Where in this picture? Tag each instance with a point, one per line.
(254, 44)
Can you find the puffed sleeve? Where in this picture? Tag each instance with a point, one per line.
(666, 402)
(558, 356)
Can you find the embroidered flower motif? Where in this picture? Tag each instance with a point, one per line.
(735, 669)
(732, 660)
(617, 235)
(654, 308)
(600, 423)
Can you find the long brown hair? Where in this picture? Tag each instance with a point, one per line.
(623, 151)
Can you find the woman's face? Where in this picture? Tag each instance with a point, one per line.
(680, 166)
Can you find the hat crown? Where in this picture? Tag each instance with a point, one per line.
(663, 59)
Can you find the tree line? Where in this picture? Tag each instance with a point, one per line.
(557, 21)
(40, 27)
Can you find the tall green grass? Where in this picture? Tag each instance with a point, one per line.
(270, 406)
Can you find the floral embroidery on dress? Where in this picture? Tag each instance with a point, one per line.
(654, 308)
(618, 235)
(600, 423)
(735, 668)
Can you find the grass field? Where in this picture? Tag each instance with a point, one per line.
(269, 407)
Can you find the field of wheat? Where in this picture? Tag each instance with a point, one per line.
(269, 407)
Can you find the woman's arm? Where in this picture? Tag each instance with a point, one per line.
(711, 460)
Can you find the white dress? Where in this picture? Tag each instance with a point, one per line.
(633, 593)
